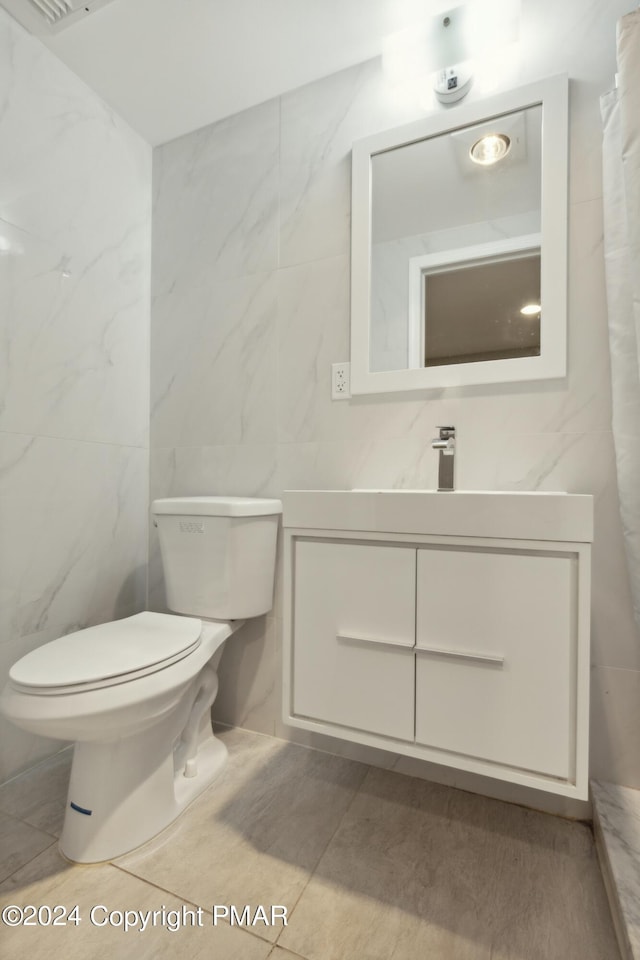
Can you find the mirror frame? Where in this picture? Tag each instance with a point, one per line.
(553, 95)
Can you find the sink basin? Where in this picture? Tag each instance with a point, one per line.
(480, 493)
(463, 513)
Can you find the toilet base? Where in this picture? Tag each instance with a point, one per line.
(124, 792)
(107, 817)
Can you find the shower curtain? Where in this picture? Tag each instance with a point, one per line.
(621, 199)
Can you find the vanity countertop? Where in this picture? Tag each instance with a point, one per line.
(495, 514)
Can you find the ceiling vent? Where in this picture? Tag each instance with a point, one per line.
(43, 17)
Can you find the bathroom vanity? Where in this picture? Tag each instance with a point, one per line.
(452, 627)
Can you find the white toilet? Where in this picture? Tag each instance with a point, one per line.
(136, 694)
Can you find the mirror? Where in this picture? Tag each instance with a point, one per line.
(459, 246)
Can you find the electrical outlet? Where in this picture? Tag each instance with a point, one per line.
(340, 381)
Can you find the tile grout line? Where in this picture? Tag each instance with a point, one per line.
(292, 953)
(150, 883)
(31, 859)
(39, 763)
(54, 836)
(185, 900)
(63, 439)
(32, 826)
(326, 847)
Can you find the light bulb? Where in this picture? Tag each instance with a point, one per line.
(490, 149)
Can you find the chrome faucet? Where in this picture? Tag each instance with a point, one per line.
(446, 444)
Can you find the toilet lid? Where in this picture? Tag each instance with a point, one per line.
(143, 642)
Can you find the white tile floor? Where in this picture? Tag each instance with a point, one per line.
(371, 865)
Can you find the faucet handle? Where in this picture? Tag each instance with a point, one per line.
(446, 442)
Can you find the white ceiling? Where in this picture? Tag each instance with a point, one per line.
(171, 66)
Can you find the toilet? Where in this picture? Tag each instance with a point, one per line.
(135, 695)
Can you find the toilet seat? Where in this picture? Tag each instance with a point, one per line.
(108, 654)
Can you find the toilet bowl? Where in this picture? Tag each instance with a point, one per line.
(135, 695)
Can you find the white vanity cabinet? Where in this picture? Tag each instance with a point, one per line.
(469, 651)
(355, 608)
(494, 655)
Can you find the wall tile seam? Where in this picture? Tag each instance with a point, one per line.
(337, 255)
(347, 441)
(278, 319)
(408, 435)
(220, 447)
(279, 189)
(71, 439)
(597, 198)
(603, 666)
(201, 131)
(210, 282)
(606, 666)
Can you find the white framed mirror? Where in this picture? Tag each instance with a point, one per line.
(459, 246)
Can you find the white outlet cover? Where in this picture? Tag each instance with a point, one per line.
(341, 380)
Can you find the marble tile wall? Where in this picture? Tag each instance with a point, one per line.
(251, 306)
(75, 234)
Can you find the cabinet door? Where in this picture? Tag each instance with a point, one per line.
(354, 635)
(496, 641)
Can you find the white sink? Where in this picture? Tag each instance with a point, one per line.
(465, 513)
(481, 493)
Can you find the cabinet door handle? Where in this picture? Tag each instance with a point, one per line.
(462, 655)
(342, 638)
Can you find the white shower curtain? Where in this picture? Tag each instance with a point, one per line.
(621, 199)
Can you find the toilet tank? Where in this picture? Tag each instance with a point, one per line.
(218, 554)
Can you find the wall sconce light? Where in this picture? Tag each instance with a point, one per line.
(442, 53)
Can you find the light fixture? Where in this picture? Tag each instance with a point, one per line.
(490, 148)
(453, 83)
(441, 54)
(531, 310)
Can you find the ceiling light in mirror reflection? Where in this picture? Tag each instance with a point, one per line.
(490, 149)
(431, 185)
(531, 310)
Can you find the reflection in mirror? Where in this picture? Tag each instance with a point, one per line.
(475, 304)
(459, 246)
(482, 312)
(455, 246)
